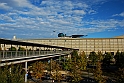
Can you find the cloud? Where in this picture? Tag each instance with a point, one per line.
(4, 6)
(121, 14)
(29, 20)
(6, 18)
(103, 25)
(16, 3)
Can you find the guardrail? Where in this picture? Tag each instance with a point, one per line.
(18, 54)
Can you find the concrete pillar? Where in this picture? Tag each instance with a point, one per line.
(26, 71)
(26, 67)
(64, 59)
(59, 59)
(51, 66)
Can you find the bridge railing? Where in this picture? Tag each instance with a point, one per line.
(18, 54)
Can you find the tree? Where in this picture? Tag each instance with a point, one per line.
(119, 58)
(67, 65)
(3, 76)
(82, 61)
(75, 72)
(12, 49)
(122, 60)
(98, 73)
(76, 66)
(16, 74)
(11, 74)
(74, 58)
(56, 68)
(107, 59)
(120, 76)
(38, 70)
(100, 56)
(21, 49)
(93, 57)
(74, 55)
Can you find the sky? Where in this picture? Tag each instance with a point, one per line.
(46, 18)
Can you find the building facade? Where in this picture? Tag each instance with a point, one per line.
(85, 44)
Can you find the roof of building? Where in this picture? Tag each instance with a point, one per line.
(122, 36)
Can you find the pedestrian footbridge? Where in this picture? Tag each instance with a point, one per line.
(30, 52)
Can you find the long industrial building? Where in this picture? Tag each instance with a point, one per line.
(85, 44)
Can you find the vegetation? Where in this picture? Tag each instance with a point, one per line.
(120, 75)
(0, 48)
(100, 56)
(98, 73)
(75, 73)
(12, 49)
(82, 61)
(119, 58)
(75, 66)
(107, 59)
(21, 49)
(56, 68)
(11, 74)
(38, 70)
(119, 62)
(93, 58)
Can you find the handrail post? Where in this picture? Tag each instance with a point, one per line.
(50, 66)
(33, 50)
(16, 51)
(39, 50)
(11, 54)
(26, 51)
(3, 53)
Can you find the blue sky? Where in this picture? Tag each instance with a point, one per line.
(47, 18)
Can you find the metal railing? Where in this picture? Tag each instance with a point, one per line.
(18, 54)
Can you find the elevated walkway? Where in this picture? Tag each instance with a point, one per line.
(44, 51)
(13, 57)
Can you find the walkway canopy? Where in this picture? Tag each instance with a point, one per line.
(15, 42)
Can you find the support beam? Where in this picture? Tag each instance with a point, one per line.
(51, 66)
(26, 67)
(59, 59)
(26, 71)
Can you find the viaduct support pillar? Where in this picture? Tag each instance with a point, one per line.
(26, 71)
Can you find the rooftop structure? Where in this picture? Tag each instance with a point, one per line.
(72, 36)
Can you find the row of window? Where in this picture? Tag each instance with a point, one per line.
(77, 40)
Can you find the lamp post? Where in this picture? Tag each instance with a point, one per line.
(87, 69)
